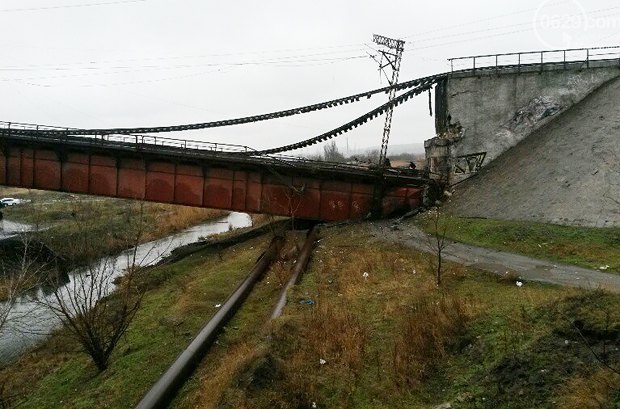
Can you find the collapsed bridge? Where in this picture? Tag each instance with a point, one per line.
(137, 163)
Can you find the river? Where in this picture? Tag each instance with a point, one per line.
(30, 322)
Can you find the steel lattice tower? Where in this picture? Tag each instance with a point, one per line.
(393, 56)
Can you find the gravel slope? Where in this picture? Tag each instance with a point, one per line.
(568, 172)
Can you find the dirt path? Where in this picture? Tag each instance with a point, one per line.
(500, 262)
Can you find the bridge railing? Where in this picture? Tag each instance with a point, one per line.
(537, 59)
(126, 139)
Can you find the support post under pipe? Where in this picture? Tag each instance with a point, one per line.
(166, 387)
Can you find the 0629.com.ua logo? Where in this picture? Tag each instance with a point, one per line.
(565, 24)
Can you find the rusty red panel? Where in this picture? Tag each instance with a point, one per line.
(240, 175)
(335, 205)
(361, 205)
(362, 188)
(75, 177)
(218, 193)
(396, 192)
(77, 158)
(307, 183)
(3, 162)
(307, 205)
(253, 196)
(27, 168)
(190, 170)
(160, 186)
(255, 177)
(131, 182)
(276, 200)
(336, 186)
(269, 179)
(391, 204)
(189, 190)
(99, 160)
(103, 180)
(161, 167)
(47, 174)
(137, 164)
(219, 173)
(239, 195)
(45, 154)
(14, 170)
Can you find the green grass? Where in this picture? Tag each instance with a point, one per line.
(509, 351)
(390, 340)
(181, 301)
(581, 246)
(62, 219)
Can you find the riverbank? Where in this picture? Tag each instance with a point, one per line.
(64, 222)
(60, 218)
(385, 339)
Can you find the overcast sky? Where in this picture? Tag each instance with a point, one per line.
(124, 63)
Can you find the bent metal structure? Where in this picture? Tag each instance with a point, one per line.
(126, 163)
(202, 178)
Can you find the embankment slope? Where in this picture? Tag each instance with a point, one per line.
(567, 172)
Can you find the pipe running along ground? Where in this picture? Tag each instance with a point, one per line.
(160, 395)
(298, 270)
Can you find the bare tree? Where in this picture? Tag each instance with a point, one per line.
(99, 302)
(437, 242)
(331, 153)
(19, 273)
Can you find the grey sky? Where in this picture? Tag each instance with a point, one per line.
(107, 63)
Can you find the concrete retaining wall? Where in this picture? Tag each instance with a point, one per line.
(483, 116)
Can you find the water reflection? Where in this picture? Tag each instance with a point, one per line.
(31, 322)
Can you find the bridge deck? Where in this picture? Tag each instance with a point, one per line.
(206, 178)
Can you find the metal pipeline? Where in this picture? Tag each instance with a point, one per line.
(300, 267)
(166, 387)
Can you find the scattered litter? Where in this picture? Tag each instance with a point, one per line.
(306, 302)
(365, 275)
(603, 268)
(566, 342)
(322, 361)
(414, 272)
(519, 284)
(539, 246)
(313, 405)
(218, 305)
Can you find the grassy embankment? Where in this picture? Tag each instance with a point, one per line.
(582, 246)
(62, 217)
(389, 340)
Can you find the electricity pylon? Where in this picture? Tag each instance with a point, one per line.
(393, 55)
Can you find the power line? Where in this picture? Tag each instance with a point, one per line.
(417, 83)
(71, 6)
(129, 69)
(89, 65)
(466, 40)
(444, 28)
(511, 26)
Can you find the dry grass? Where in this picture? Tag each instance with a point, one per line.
(172, 218)
(593, 392)
(236, 360)
(426, 333)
